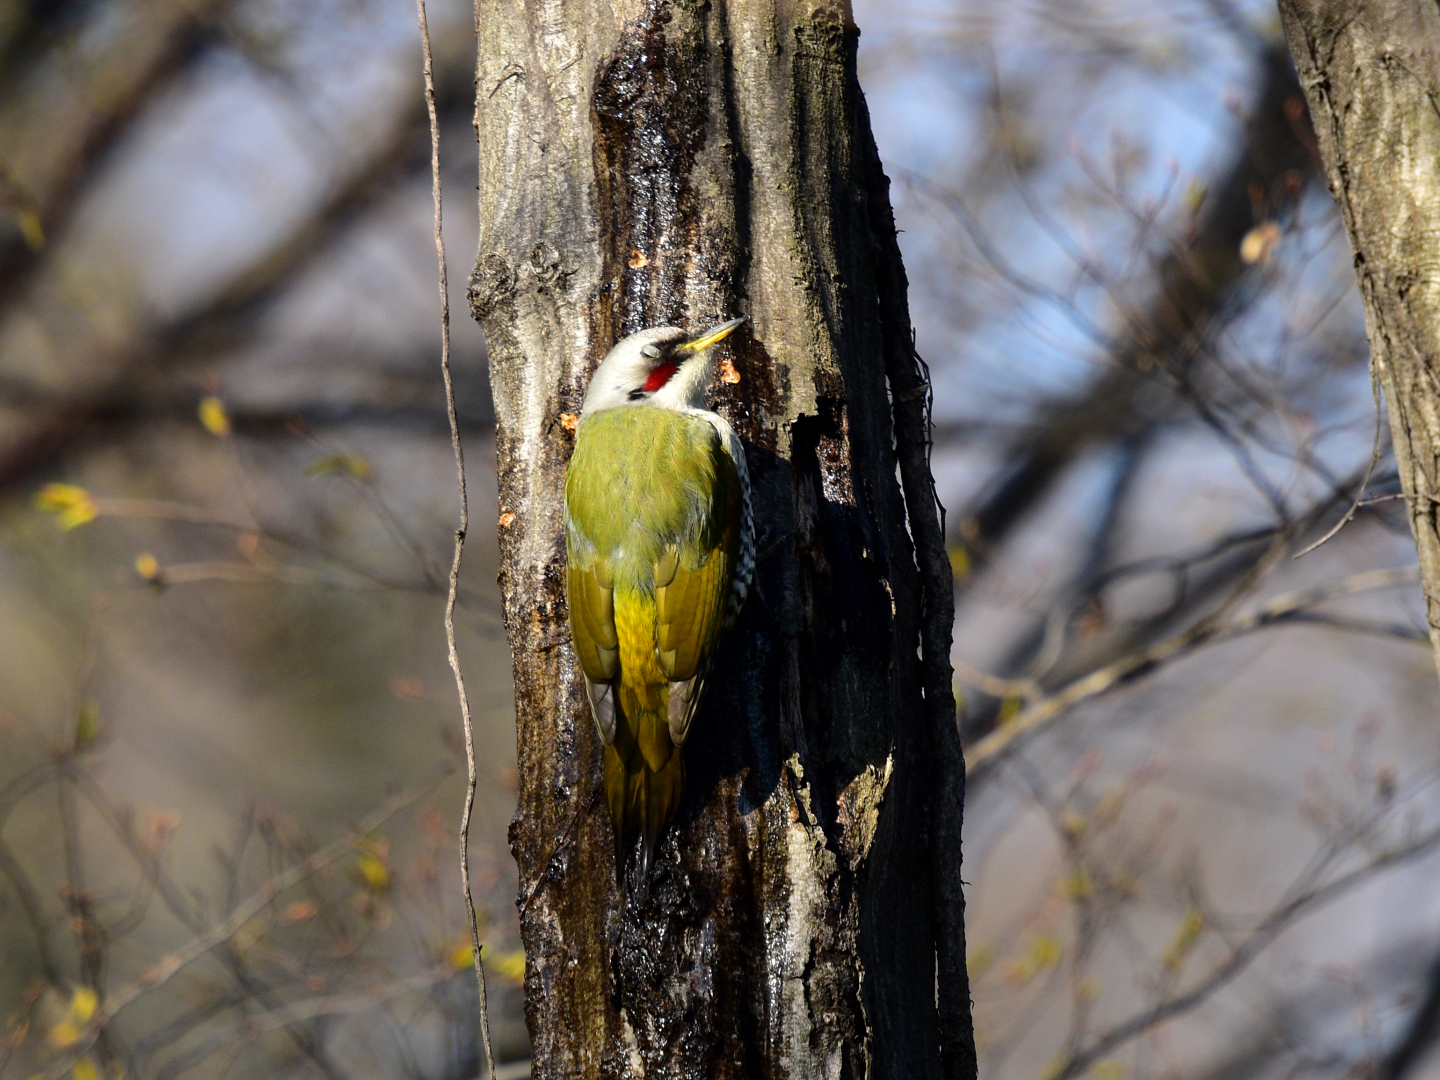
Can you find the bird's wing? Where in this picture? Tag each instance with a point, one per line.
(693, 579)
(592, 625)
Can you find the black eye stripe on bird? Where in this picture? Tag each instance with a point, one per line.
(651, 584)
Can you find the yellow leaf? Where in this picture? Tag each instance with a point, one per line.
(1184, 940)
(1009, 710)
(353, 464)
(1044, 952)
(85, 1069)
(462, 956)
(1077, 886)
(63, 1034)
(31, 230)
(83, 1004)
(71, 505)
(1054, 1067)
(147, 566)
(510, 966)
(1076, 823)
(1110, 804)
(214, 416)
(1107, 1070)
(979, 960)
(960, 561)
(87, 726)
(1259, 242)
(1195, 194)
(375, 873)
(1089, 988)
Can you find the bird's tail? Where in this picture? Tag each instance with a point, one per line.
(642, 800)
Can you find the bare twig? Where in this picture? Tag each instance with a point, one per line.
(262, 569)
(165, 510)
(1291, 607)
(994, 685)
(1360, 500)
(285, 1017)
(459, 541)
(560, 846)
(10, 868)
(1243, 954)
(159, 974)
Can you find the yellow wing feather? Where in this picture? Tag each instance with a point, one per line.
(592, 622)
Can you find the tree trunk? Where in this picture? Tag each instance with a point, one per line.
(1371, 72)
(642, 163)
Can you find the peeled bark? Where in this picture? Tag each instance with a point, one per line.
(644, 163)
(1371, 73)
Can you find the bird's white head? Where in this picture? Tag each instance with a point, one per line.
(662, 366)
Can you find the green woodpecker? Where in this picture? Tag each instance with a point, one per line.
(660, 550)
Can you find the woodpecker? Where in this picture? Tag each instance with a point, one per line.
(660, 548)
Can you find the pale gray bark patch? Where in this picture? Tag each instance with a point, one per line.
(645, 163)
(1371, 73)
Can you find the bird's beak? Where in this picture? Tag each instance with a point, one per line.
(713, 336)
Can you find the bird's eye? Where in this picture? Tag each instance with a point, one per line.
(651, 352)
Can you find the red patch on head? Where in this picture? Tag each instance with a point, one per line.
(659, 376)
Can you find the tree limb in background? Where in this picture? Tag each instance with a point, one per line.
(157, 975)
(34, 425)
(1296, 905)
(1419, 1034)
(1274, 161)
(1293, 607)
(56, 112)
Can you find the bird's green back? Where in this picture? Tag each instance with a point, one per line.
(641, 480)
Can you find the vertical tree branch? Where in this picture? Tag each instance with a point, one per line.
(459, 540)
(1371, 73)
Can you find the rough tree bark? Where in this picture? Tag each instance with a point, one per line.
(650, 162)
(1371, 73)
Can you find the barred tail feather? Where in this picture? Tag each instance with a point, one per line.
(641, 800)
